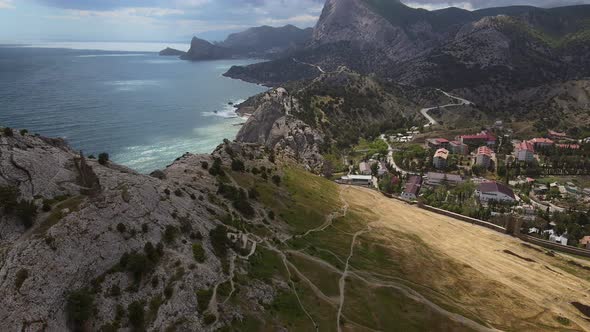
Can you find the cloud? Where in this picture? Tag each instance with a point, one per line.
(295, 20)
(6, 4)
(478, 4)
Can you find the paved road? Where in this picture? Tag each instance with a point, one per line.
(310, 64)
(390, 159)
(460, 102)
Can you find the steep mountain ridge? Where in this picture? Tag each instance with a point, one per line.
(264, 42)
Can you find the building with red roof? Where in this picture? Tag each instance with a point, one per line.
(541, 142)
(412, 189)
(457, 147)
(557, 135)
(439, 161)
(568, 146)
(524, 151)
(483, 157)
(483, 138)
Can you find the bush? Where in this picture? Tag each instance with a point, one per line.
(253, 193)
(8, 132)
(219, 240)
(237, 165)
(103, 158)
(209, 319)
(216, 169)
(203, 298)
(204, 165)
(21, 276)
(136, 314)
(198, 252)
(26, 211)
(276, 180)
(138, 264)
(115, 291)
(80, 307)
(178, 192)
(23, 132)
(170, 234)
(121, 227)
(9, 198)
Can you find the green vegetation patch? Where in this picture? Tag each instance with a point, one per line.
(57, 214)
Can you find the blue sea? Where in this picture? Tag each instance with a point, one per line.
(123, 99)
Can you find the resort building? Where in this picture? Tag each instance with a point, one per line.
(456, 147)
(439, 161)
(539, 143)
(483, 138)
(412, 188)
(437, 143)
(495, 191)
(524, 151)
(357, 180)
(483, 157)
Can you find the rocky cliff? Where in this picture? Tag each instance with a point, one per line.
(140, 252)
(203, 50)
(274, 125)
(171, 52)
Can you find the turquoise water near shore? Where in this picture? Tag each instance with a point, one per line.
(143, 109)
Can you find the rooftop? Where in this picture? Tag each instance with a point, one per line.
(441, 153)
(541, 140)
(442, 176)
(525, 146)
(484, 150)
(490, 187)
(413, 185)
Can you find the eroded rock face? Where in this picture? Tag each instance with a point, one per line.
(80, 242)
(273, 125)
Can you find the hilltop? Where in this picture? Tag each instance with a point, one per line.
(244, 238)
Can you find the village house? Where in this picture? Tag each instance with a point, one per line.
(436, 179)
(495, 191)
(365, 168)
(412, 188)
(568, 146)
(561, 239)
(483, 138)
(457, 147)
(524, 151)
(539, 143)
(585, 242)
(357, 180)
(483, 157)
(557, 135)
(437, 143)
(440, 159)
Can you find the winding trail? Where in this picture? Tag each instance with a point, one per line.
(310, 64)
(431, 120)
(342, 281)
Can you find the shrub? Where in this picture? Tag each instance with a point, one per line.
(103, 158)
(145, 228)
(26, 211)
(46, 207)
(253, 193)
(136, 314)
(276, 180)
(170, 234)
(204, 165)
(80, 307)
(237, 165)
(121, 227)
(209, 319)
(9, 198)
(271, 215)
(198, 252)
(178, 192)
(138, 264)
(203, 298)
(219, 240)
(169, 290)
(8, 132)
(21, 276)
(23, 132)
(115, 291)
(216, 169)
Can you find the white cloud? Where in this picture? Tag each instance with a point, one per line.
(296, 20)
(125, 12)
(435, 6)
(6, 4)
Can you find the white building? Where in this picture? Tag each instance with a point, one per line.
(525, 151)
(495, 191)
(358, 180)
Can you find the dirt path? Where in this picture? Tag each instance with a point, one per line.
(342, 281)
(330, 218)
(484, 250)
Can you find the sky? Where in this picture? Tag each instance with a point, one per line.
(176, 20)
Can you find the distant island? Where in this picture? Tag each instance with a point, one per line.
(171, 52)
